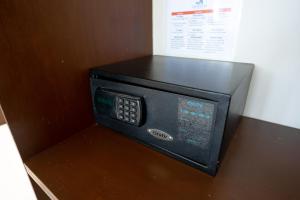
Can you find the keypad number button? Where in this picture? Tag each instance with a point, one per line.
(120, 101)
(133, 104)
(126, 102)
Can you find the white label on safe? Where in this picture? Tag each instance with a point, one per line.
(160, 134)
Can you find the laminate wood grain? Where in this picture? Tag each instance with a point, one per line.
(262, 162)
(47, 48)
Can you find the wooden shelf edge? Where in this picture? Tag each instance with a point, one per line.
(40, 183)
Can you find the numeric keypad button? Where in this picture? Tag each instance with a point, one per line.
(126, 102)
(133, 103)
(120, 101)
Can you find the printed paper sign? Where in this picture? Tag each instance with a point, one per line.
(203, 28)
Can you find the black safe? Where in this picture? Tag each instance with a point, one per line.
(185, 108)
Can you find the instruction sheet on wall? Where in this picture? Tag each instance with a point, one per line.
(203, 28)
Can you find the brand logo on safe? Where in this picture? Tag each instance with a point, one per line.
(160, 134)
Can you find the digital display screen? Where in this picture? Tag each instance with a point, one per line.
(104, 100)
(195, 121)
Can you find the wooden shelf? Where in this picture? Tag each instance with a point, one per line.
(262, 162)
(2, 118)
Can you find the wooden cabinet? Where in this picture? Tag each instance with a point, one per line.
(47, 48)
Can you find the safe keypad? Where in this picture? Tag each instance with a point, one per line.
(128, 110)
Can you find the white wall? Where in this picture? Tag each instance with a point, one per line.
(269, 37)
(14, 182)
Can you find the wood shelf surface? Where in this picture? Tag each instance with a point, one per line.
(262, 162)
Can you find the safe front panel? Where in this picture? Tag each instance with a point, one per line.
(179, 125)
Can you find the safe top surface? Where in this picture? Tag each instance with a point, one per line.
(208, 75)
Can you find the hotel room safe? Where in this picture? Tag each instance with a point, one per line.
(185, 108)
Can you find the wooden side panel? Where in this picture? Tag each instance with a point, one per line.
(46, 49)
